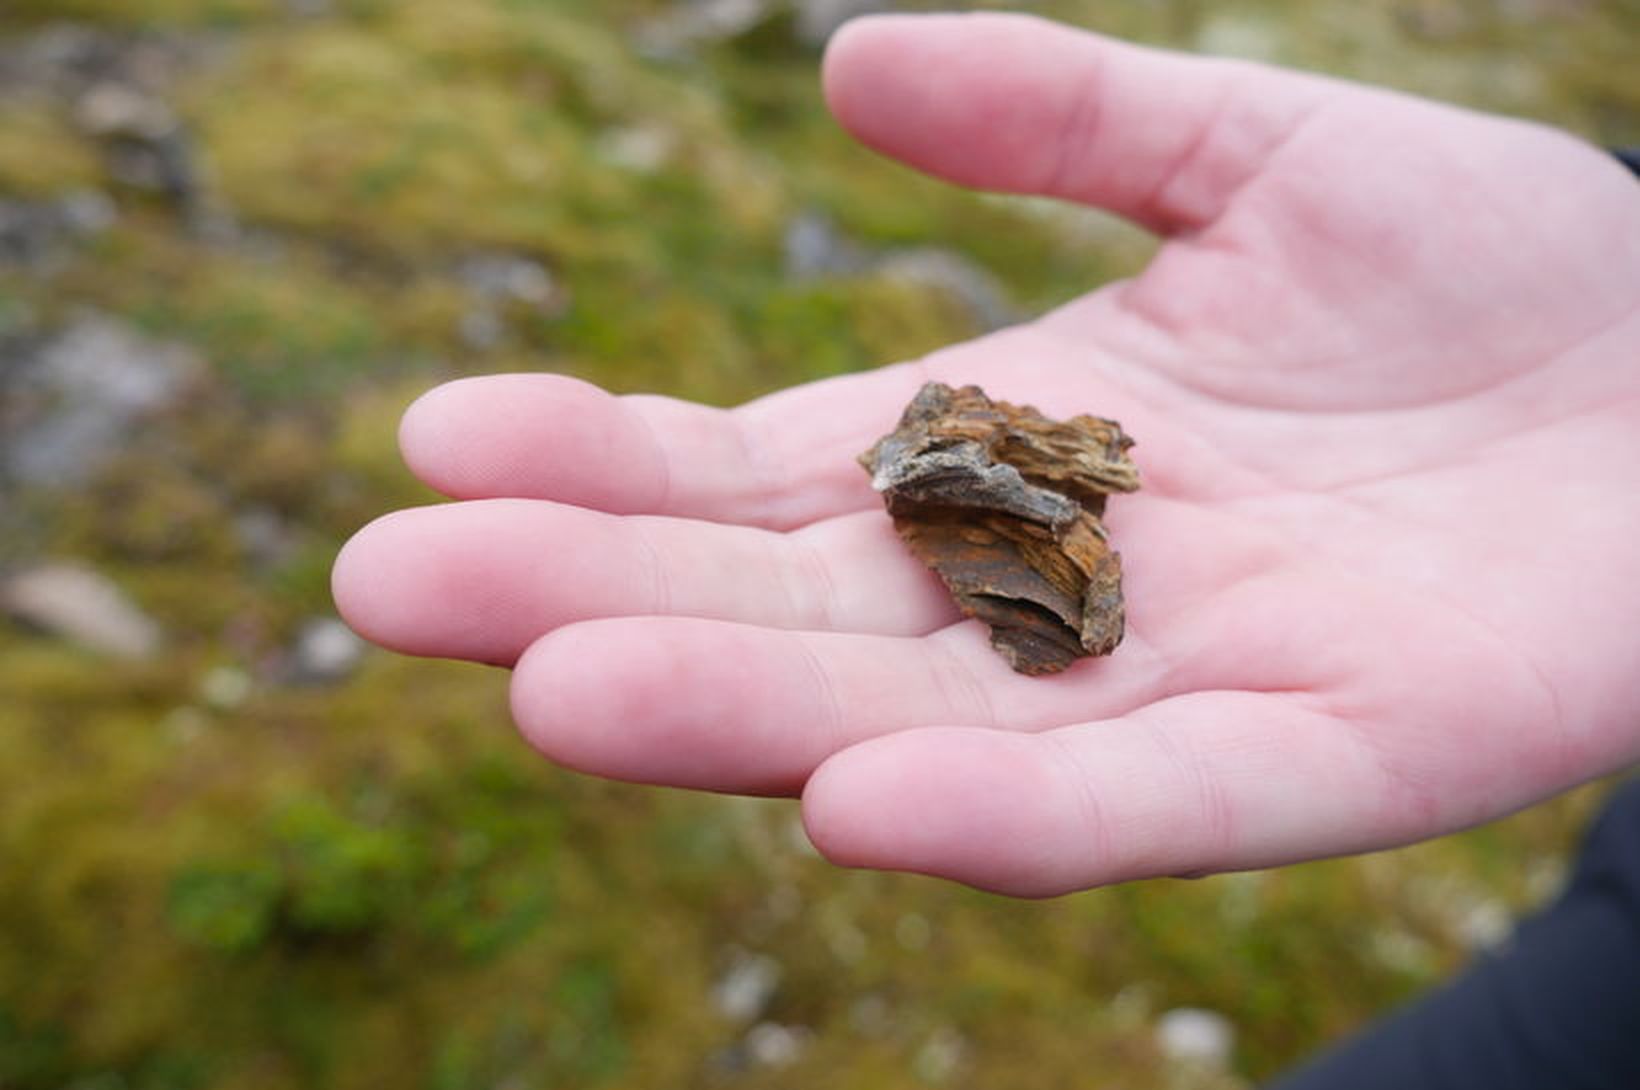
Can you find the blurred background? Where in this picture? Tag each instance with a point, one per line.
(239, 849)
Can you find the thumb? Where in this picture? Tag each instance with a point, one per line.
(1016, 103)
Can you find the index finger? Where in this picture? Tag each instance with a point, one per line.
(780, 462)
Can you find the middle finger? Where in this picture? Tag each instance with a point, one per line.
(483, 579)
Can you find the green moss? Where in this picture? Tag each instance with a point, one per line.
(228, 907)
(272, 335)
(456, 124)
(39, 154)
(147, 13)
(375, 883)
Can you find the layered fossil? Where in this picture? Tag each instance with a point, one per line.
(1005, 505)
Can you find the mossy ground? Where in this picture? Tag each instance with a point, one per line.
(264, 885)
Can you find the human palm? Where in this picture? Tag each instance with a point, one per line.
(1382, 580)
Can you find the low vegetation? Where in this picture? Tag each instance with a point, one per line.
(219, 872)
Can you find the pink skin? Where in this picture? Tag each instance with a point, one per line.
(1383, 579)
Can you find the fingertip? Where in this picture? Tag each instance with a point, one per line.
(879, 43)
(636, 699)
(528, 435)
(360, 583)
(969, 804)
(1016, 103)
(859, 47)
(533, 696)
(571, 702)
(446, 436)
(415, 581)
(976, 98)
(424, 429)
(344, 585)
(863, 72)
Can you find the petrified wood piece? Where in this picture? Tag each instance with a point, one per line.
(1004, 504)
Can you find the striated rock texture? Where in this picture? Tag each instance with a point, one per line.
(1004, 504)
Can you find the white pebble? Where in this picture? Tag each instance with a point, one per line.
(1195, 1036)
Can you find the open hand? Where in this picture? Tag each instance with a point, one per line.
(1383, 580)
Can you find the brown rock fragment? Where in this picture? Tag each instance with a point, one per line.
(1004, 505)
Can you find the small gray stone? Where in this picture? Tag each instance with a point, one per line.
(481, 328)
(265, 537)
(746, 987)
(83, 606)
(815, 248)
(1198, 1037)
(674, 34)
(941, 1056)
(964, 279)
(72, 398)
(769, 1044)
(164, 166)
(326, 650)
(87, 212)
(716, 19)
(28, 232)
(117, 109)
(36, 233)
(145, 144)
(508, 278)
(1485, 924)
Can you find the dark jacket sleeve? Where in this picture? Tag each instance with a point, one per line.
(1558, 1007)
